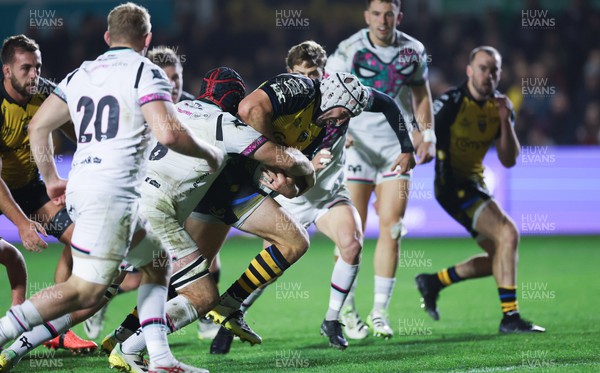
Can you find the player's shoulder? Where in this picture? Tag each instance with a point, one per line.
(186, 96)
(356, 41)
(451, 98)
(294, 84)
(197, 110)
(403, 40)
(45, 87)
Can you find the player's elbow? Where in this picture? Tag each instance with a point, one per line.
(167, 138)
(508, 162)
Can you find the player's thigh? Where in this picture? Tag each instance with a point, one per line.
(392, 197)
(361, 173)
(208, 236)
(105, 226)
(273, 223)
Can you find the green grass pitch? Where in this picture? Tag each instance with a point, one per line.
(557, 284)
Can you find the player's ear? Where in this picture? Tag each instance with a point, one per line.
(400, 17)
(6, 71)
(469, 71)
(147, 40)
(107, 38)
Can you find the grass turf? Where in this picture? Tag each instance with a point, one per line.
(557, 289)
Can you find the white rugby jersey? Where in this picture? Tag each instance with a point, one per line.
(391, 70)
(184, 180)
(105, 98)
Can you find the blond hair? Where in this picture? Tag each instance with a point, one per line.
(128, 23)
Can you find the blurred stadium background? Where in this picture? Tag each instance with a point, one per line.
(551, 72)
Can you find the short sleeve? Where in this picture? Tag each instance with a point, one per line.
(239, 138)
(152, 84)
(340, 60)
(289, 93)
(61, 89)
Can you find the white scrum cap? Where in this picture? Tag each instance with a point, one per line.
(343, 90)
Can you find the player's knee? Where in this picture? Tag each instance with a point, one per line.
(509, 235)
(350, 247)
(89, 294)
(300, 242)
(397, 229)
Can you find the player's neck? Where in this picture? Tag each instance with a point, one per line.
(380, 43)
(12, 92)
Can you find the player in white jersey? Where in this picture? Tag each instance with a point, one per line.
(396, 64)
(110, 100)
(175, 184)
(327, 204)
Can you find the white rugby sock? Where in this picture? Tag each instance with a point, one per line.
(18, 319)
(349, 302)
(151, 309)
(342, 278)
(384, 286)
(180, 313)
(40, 334)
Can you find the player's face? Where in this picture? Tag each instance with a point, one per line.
(175, 75)
(333, 117)
(484, 75)
(312, 72)
(24, 72)
(382, 19)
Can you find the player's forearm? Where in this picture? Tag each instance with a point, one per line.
(298, 164)
(182, 141)
(508, 145)
(383, 103)
(42, 150)
(10, 208)
(423, 109)
(14, 262)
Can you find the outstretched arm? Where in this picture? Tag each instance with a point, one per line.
(382, 103)
(421, 97)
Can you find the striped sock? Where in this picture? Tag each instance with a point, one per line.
(448, 276)
(267, 265)
(508, 300)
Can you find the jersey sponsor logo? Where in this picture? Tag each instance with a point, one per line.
(354, 169)
(386, 77)
(464, 143)
(158, 152)
(200, 179)
(152, 182)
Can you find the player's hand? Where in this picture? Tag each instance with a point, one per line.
(280, 183)
(404, 163)
(30, 238)
(349, 140)
(56, 190)
(216, 159)
(322, 159)
(425, 152)
(505, 108)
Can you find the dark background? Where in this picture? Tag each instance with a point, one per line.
(551, 70)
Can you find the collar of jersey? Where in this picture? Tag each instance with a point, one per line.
(115, 49)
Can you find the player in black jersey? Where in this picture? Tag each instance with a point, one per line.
(468, 120)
